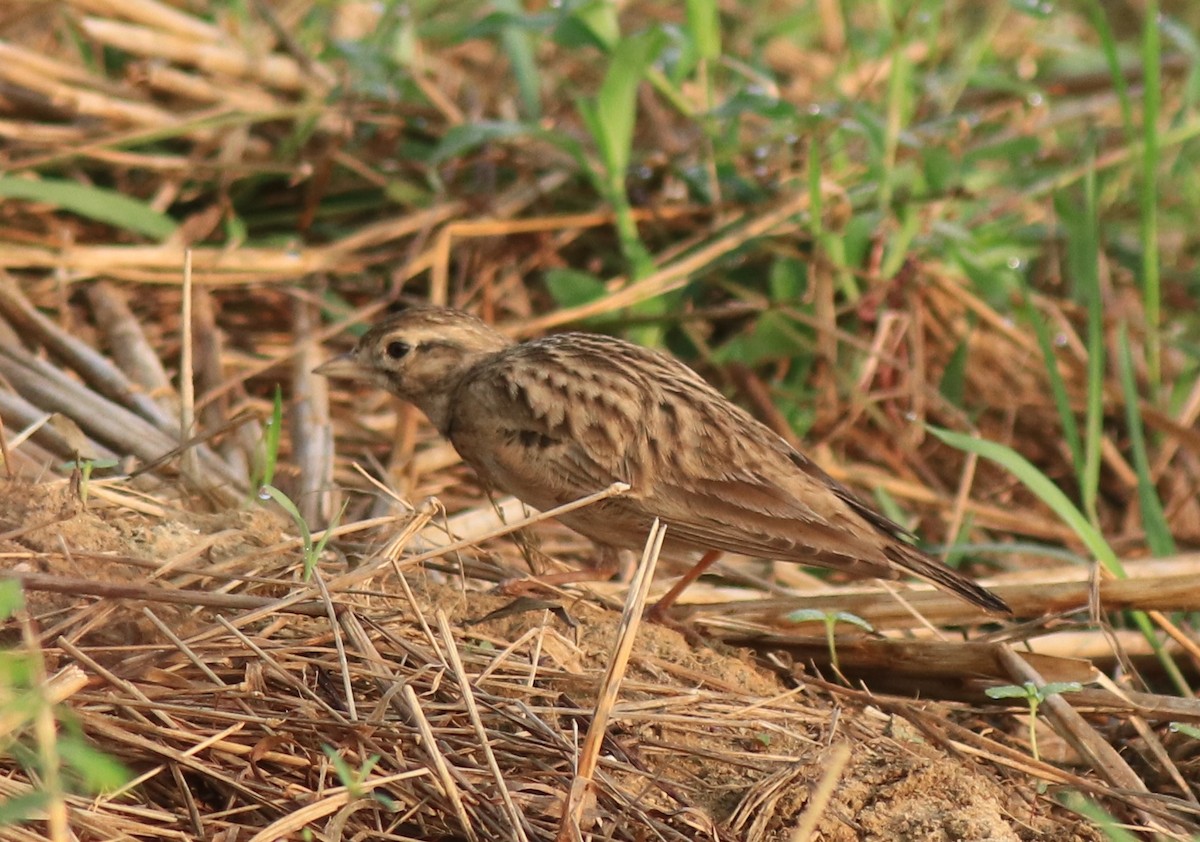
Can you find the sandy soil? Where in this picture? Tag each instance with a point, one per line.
(741, 776)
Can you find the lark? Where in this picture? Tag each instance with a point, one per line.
(555, 419)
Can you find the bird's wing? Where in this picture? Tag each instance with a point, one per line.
(556, 419)
(733, 484)
(534, 423)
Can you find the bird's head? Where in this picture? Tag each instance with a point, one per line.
(419, 355)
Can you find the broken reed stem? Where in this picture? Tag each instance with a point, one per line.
(517, 820)
(581, 795)
(429, 742)
(187, 379)
(835, 761)
(1072, 727)
(112, 590)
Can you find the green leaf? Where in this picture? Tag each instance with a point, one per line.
(940, 167)
(591, 24)
(22, 808)
(761, 105)
(953, 384)
(311, 560)
(1055, 688)
(519, 47)
(1058, 388)
(787, 279)
(1112, 59)
(494, 24)
(854, 620)
(1148, 193)
(773, 336)
(616, 103)
(97, 203)
(816, 615)
(590, 114)
(1154, 520)
(100, 772)
(288, 506)
(1112, 830)
(466, 137)
(572, 287)
(1183, 728)
(12, 597)
(1086, 248)
(1040, 485)
(1010, 691)
(463, 138)
(704, 25)
(271, 438)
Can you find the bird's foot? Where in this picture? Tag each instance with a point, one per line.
(660, 615)
(528, 585)
(521, 586)
(608, 562)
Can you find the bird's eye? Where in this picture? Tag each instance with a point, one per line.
(396, 350)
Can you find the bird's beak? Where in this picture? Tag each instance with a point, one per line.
(345, 366)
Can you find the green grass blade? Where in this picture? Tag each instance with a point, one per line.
(1148, 195)
(704, 26)
(288, 506)
(1043, 488)
(1108, 43)
(1087, 248)
(616, 103)
(1154, 521)
(592, 21)
(610, 119)
(833, 245)
(1058, 388)
(271, 437)
(898, 113)
(1052, 496)
(97, 203)
(461, 139)
(518, 45)
(1113, 830)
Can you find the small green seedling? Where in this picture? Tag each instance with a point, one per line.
(312, 550)
(352, 778)
(268, 454)
(1034, 696)
(83, 469)
(268, 459)
(830, 619)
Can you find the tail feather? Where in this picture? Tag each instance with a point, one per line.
(909, 558)
(906, 557)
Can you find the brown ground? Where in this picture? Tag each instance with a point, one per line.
(705, 744)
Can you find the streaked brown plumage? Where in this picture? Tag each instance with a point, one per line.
(555, 419)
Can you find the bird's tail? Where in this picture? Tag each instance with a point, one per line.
(909, 558)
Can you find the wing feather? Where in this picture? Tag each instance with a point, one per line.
(711, 471)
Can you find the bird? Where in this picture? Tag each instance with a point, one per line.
(554, 419)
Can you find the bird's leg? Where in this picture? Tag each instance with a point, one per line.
(608, 562)
(658, 611)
